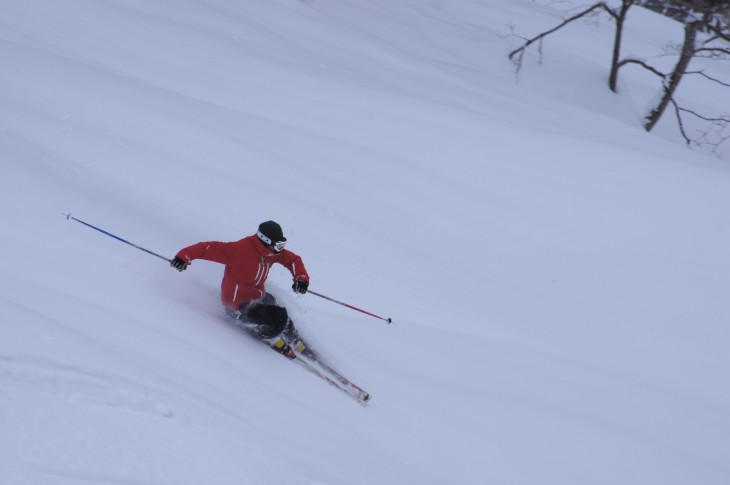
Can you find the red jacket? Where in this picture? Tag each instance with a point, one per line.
(247, 266)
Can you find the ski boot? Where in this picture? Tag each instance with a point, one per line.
(291, 336)
(280, 345)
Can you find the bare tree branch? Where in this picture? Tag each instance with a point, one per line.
(671, 82)
(563, 24)
(712, 52)
(680, 123)
(702, 73)
(701, 18)
(721, 120)
(644, 65)
(713, 136)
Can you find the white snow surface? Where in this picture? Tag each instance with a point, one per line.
(558, 278)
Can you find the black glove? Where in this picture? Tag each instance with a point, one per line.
(300, 286)
(179, 264)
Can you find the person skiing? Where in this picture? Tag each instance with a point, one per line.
(243, 292)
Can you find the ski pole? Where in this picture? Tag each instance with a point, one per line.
(389, 320)
(69, 216)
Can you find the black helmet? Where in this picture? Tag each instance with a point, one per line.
(270, 234)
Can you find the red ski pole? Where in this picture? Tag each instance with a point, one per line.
(389, 320)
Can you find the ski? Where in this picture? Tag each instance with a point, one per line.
(333, 377)
(307, 359)
(302, 355)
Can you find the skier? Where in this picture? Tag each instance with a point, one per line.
(243, 293)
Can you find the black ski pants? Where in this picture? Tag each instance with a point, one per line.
(262, 318)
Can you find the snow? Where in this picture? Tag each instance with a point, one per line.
(557, 277)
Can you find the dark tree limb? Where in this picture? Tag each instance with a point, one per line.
(644, 65)
(672, 82)
(531, 41)
(620, 18)
(711, 137)
(702, 73)
(709, 16)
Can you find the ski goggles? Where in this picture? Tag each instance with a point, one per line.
(278, 245)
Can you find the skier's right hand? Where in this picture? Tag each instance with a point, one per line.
(179, 264)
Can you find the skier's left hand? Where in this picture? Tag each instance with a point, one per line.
(300, 286)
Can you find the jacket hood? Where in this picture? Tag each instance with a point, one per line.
(259, 245)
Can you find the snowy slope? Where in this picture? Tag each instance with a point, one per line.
(558, 278)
